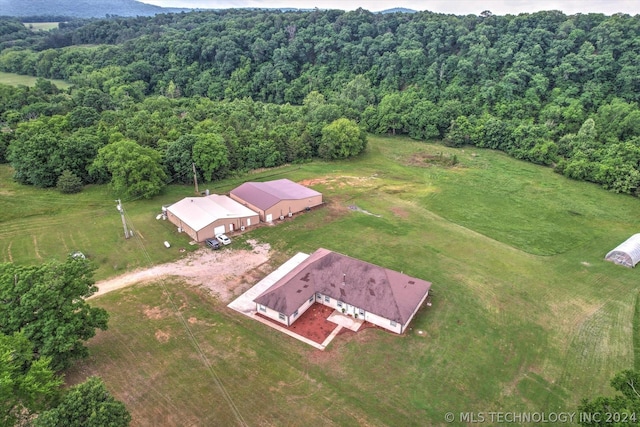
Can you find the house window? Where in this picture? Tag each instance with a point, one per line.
(339, 303)
(327, 299)
(281, 316)
(393, 323)
(361, 312)
(295, 313)
(311, 299)
(262, 308)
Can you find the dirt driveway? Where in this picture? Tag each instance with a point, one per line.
(220, 271)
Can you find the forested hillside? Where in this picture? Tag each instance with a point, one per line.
(238, 89)
(80, 9)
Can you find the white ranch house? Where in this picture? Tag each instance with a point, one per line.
(384, 297)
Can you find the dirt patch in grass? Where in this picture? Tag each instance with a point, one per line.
(316, 181)
(335, 208)
(154, 313)
(238, 284)
(221, 272)
(312, 324)
(399, 212)
(162, 336)
(331, 183)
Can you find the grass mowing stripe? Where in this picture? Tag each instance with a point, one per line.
(196, 345)
(192, 338)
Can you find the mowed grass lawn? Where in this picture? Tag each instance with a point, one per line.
(42, 26)
(526, 315)
(13, 79)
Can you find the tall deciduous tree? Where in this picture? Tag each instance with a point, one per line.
(211, 156)
(47, 303)
(459, 132)
(179, 158)
(624, 406)
(86, 405)
(33, 154)
(136, 171)
(27, 385)
(341, 139)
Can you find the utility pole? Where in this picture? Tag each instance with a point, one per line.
(124, 223)
(195, 177)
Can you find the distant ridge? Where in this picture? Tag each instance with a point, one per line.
(81, 8)
(102, 8)
(398, 10)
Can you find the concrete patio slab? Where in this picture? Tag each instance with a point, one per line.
(345, 321)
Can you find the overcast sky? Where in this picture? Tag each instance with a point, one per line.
(457, 7)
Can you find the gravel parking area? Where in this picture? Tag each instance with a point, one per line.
(220, 271)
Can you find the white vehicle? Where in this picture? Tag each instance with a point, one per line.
(222, 238)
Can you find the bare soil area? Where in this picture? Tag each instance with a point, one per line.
(312, 324)
(222, 271)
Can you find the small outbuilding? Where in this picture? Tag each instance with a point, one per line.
(276, 199)
(384, 297)
(205, 217)
(626, 253)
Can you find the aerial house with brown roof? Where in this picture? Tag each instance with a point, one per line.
(384, 297)
(205, 217)
(276, 199)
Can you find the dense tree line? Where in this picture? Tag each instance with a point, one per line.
(549, 88)
(44, 322)
(621, 409)
(140, 147)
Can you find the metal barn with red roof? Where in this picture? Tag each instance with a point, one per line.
(276, 199)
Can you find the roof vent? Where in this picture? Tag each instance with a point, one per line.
(411, 282)
(298, 291)
(373, 294)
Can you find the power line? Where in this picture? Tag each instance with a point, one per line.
(194, 341)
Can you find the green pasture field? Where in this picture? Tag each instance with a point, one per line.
(526, 315)
(43, 224)
(13, 79)
(41, 26)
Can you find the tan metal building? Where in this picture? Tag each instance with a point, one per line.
(205, 217)
(276, 199)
